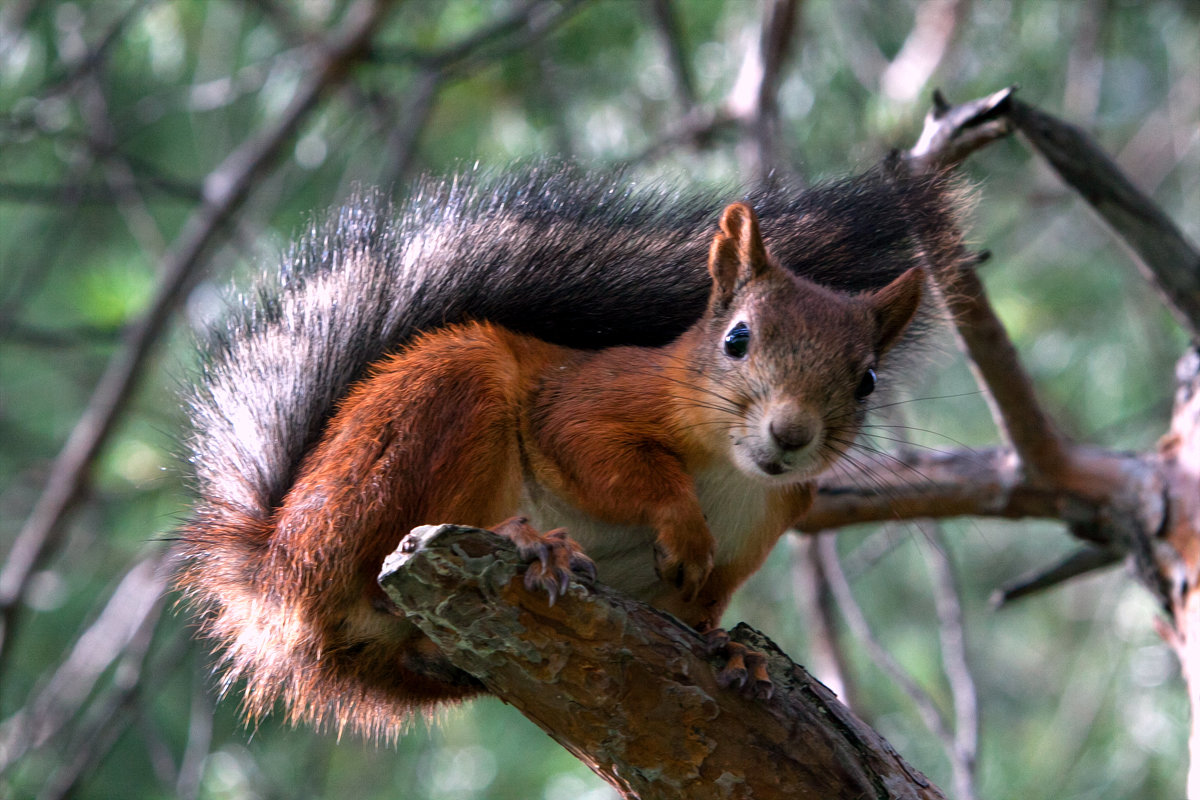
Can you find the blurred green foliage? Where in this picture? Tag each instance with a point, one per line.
(1078, 697)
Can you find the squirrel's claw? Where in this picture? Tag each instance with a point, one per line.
(745, 669)
(551, 558)
(577, 560)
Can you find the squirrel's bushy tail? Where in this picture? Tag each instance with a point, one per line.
(577, 258)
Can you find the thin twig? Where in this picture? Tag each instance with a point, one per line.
(133, 608)
(930, 714)
(815, 602)
(666, 22)
(955, 665)
(754, 98)
(509, 34)
(226, 189)
(516, 31)
(1079, 562)
(119, 174)
(1165, 256)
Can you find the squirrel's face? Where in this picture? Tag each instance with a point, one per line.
(793, 362)
(798, 361)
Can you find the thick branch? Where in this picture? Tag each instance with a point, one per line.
(1118, 502)
(1009, 389)
(980, 483)
(631, 691)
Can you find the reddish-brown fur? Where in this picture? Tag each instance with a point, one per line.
(464, 421)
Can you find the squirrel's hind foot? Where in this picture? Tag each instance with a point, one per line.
(552, 557)
(744, 669)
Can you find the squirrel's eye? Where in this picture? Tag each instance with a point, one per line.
(737, 341)
(866, 385)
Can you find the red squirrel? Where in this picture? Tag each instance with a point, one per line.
(674, 467)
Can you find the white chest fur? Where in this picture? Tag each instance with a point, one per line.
(733, 503)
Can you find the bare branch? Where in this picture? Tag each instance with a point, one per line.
(517, 30)
(928, 42)
(1008, 387)
(1102, 497)
(133, 608)
(1163, 253)
(122, 181)
(667, 23)
(932, 485)
(930, 714)
(952, 133)
(1079, 562)
(111, 717)
(955, 665)
(826, 651)
(754, 96)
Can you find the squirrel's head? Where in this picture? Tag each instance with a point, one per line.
(796, 360)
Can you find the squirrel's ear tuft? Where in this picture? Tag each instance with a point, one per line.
(737, 255)
(895, 305)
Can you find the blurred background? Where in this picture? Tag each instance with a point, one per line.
(119, 118)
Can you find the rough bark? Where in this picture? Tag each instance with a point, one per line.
(631, 691)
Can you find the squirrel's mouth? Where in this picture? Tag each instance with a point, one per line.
(759, 454)
(771, 468)
(777, 468)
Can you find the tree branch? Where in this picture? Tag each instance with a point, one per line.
(950, 133)
(754, 98)
(630, 690)
(1164, 255)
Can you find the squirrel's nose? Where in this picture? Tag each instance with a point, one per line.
(793, 431)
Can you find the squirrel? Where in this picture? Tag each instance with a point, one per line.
(551, 350)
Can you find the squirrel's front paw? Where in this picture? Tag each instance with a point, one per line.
(551, 557)
(685, 568)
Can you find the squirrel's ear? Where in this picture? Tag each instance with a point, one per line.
(737, 254)
(895, 305)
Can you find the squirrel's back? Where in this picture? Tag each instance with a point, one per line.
(575, 258)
